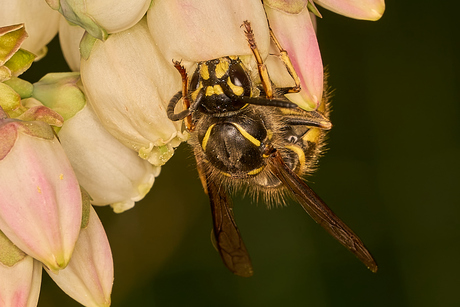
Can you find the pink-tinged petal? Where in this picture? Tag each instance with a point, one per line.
(201, 30)
(40, 200)
(20, 283)
(358, 9)
(88, 278)
(296, 34)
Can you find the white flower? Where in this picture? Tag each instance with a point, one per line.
(129, 85)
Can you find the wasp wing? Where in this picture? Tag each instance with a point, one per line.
(228, 239)
(319, 211)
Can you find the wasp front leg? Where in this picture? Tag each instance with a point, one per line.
(186, 101)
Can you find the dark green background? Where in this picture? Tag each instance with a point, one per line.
(391, 173)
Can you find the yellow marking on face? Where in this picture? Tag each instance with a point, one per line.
(221, 69)
(204, 143)
(214, 90)
(204, 72)
(233, 57)
(256, 171)
(237, 90)
(246, 135)
(300, 153)
(195, 93)
(312, 135)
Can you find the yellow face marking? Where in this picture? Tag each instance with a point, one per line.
(204, 72)
(237, 90)
(312, 135)
(195, 93)
(214, 90)
(204, 143)
(246, 135)
(300, 153)
(221, 69)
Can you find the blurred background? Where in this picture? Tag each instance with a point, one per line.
(391, 173)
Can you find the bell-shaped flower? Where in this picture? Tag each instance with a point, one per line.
(69, 37)
(40, 200)
(201, 30)
(20, 283)
(40, 20)
(102, 17)
(88, 278)
(109, 171)
(358, 9)
(20, 276)
(129, 85)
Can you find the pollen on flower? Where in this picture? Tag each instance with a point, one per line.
(61, 176)
(39, 190)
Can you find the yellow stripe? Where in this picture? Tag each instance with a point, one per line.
(221, 69)
(312, 135)
(300, 153)
(237, 90)
(249, 137)
(256, 171)
(204, 143)
(204, 72)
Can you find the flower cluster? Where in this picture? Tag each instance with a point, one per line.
(99, 135)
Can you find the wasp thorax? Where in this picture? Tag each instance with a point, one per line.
(235, 145)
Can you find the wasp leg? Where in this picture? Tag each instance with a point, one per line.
(263, 72)
(284, 56)
(188, 118)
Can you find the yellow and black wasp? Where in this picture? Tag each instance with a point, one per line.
(250, 136)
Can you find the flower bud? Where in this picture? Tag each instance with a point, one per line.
(102, 17)
(40, 200)
(20, 283)
(88, 278)
(129, 86)
(358, 9)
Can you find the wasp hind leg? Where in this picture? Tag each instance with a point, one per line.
(284, 56)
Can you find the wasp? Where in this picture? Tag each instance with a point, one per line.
(248, 135)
